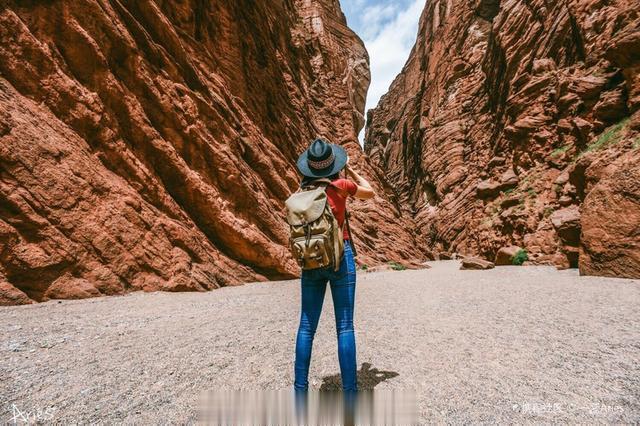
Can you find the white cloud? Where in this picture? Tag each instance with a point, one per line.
(374, 18)
(390, 48)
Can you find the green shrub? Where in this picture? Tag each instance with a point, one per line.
(520, 257)
(364, 267)
(559, 151)
(396, 266)
(612, 135)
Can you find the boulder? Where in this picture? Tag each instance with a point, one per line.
(68, 287)
(505, 255)
(566, 222)
(611, 107)
(9, 295)
(476, 263)
(488, 189)
(509, 180)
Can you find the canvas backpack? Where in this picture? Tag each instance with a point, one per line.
(316, 238)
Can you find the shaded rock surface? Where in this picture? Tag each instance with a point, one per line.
(149, 145)
(506, 112)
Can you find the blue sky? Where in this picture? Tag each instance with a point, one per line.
(388, 29)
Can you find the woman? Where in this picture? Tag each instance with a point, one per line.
(326, 160)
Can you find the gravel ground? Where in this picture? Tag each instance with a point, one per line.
(513, 344)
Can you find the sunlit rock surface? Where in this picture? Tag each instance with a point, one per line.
(506, 116)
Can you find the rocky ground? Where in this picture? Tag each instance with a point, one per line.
(513, 344)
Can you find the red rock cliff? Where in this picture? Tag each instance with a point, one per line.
(503, 121)
(149, 145)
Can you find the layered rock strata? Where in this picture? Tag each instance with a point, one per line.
(149, 145)
(505, 119)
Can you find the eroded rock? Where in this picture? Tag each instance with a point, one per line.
(150, 145)
(610, 221)
(525, 99)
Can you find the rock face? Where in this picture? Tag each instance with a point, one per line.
(505, 117)
(611, 223)
(150, 145)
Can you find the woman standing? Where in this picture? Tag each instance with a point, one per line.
(324, 160)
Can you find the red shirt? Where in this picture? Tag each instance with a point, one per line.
(338, 199)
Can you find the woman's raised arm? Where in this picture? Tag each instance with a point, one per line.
(364, 191)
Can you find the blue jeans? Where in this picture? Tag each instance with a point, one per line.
(343, 288)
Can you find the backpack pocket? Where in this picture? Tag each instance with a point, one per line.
(313, 253)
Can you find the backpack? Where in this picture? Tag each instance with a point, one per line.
(316, 238)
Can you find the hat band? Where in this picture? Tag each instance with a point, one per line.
(323, 164)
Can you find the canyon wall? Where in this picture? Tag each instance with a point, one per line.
(149, 145)
(516, 123)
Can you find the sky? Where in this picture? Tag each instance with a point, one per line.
(388, 29)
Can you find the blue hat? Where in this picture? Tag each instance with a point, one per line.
(322, 159)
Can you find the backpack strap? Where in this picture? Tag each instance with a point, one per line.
(346, 221)
(344, 193)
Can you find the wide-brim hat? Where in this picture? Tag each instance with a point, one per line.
(322, 159)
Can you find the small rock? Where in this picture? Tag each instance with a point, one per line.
(543, 65)
(569, 189)
(565, 201)
(560, 261)
(476, 263)
(413, 264)
(583, 127)
(565, 125)
(445, 256)
(496, 161)
(562, 179)
(514, 200)
(509, 180)
(487, 189)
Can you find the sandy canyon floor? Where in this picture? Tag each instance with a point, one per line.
(521, 344)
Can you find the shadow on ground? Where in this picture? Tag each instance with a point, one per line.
(368, 378)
